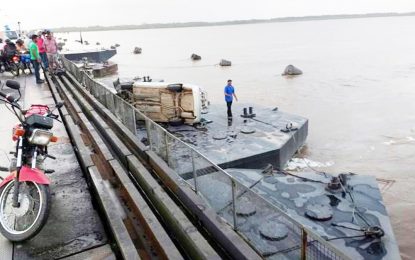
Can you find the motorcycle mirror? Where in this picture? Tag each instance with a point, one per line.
(60, 104)
(13, 84)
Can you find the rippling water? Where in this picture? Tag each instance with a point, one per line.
(358, 88)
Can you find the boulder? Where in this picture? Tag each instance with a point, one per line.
(98, 43)
(195, 57)
(112, 47)
(292, 71)
(225, 63)
(117, 45)
(137, 50)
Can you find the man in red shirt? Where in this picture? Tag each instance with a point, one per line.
(42, 50)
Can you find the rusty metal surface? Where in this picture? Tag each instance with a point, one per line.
(229, 239)
(136, 230)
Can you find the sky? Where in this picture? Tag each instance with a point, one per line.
(52, 13)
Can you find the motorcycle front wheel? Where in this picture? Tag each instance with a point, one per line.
(23, 222)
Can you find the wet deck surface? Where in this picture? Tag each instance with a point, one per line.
(298, 197)
(73, 225)
(246, 143)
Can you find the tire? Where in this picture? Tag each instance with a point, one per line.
(42, 208)
(27, 66)
(175, 87)
(21, 67)
(176, 121)
(14, 69)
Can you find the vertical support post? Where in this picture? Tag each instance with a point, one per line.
(134, 120)
(303, 244)
(235, 225)
(166, 141)
(194, 169)
(149, 134)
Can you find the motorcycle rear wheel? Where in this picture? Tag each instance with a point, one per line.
(29, 67)
(26, 221)
(14, 69)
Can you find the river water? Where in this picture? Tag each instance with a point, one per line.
(358, 88)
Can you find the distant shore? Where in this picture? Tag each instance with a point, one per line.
(253, 21)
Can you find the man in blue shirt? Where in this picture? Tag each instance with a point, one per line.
(229, 94)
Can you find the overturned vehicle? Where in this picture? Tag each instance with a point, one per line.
(173, 103)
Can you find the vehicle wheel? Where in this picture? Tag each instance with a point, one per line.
(14, 69)
(175, 87)
(22, 67)
(29, 67)
(26, 66)
(24, 222)
(176, 121)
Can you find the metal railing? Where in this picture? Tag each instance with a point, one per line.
(232, 200)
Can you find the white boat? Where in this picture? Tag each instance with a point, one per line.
(174, 103)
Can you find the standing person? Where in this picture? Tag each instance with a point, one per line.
(51, 50)
(35, 57)
(1, 52)
(42, 51)
(21, 48)
(229, 94)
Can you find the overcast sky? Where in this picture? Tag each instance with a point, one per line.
(52, 13)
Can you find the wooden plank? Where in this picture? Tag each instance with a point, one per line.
(120, 232)
(151, 228)
(190, 239)
(83, 152)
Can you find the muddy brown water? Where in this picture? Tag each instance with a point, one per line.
(358, 88)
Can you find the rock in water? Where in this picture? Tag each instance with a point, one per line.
(291, 70)
(225, 63)
(117, 45)
(113, 47)
(137, 50)
(195, 57)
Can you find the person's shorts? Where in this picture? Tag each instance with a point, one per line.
(53, 58)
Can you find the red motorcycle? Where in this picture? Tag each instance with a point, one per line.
(25, 194)
(12, 65)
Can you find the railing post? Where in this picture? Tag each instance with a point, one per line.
(167, 147)
(148, 133)
(194, 169)
(303, 244)
(235, 226)
(134, 120)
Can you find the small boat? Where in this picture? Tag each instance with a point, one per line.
(93, 55)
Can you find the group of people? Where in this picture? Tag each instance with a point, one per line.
(43, 51)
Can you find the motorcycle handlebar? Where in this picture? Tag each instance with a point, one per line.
(8, 97)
